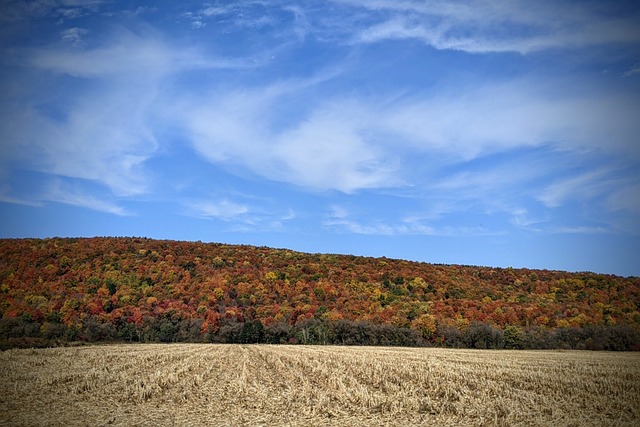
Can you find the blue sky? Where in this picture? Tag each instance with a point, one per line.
(476, 132)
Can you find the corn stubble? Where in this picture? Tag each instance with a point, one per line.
(236, 385)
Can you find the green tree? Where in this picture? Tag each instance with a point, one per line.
(252, 332)
(513, 337)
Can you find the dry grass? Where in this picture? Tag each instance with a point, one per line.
(234, 385)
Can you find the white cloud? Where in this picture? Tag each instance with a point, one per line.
(240, 15)
(632, 71)
(501, 188)
(198, 23)
(606, 196)
(82, 3)
(104, 131)
(220, 209)
(356, 143)
(338, 212)
(71, 13)
(625, 197)
(480, 26)
(484, 26)
(71, 195)
(381, 228)
(340, 219)
(104, 139)
(498, 117)
(521, 218)
(580, 230)
(584, 186)
(8, 196)
(325, 149)
(339, 144)
(355, 227)
(126, 55)
(215, 11)
(63, 9)
(238, 215)
(73, 36)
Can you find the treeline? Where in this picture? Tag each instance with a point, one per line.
(26, 332)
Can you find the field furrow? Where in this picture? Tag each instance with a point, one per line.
(253, 385)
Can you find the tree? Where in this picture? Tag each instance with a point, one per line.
(483, 335)
(425, 324)
(513, 337)
(252, 332)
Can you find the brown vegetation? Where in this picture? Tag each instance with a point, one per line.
(251, 385)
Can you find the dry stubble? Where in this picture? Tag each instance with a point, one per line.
(199, 384)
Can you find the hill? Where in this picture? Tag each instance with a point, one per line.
(139, 289)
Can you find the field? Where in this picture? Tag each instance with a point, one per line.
(237, 385)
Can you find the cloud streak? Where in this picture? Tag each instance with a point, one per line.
(60, 9)
(490, 27)
(224, 209)
(102, 129)
(59, 192)
(340, 219)
(322, 150)
(350, 144)
(586, 185)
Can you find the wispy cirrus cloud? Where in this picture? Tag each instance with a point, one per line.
(101, 133)
(632, 71)
(485, 27)
(625, 197)
(239, 215)
(124, 54)
(73, 36)
(583, 186)
(502, 116)
(340, 219)
(356, 143)
(580, 230)
(321, 147)
(60, 9)
(103, 128)
(477, 27)
(72, 194)
(522, 218)
(103, 139)
(381, 228)
(608, 197)
(223, 209)
(7, 196)
(128, 55)
(338, 143)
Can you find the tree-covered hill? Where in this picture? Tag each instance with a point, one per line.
(138, 289)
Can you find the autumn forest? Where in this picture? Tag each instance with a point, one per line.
(62, 290)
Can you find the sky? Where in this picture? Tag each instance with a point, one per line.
(503, 134)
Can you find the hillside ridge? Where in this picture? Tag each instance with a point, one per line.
(141, 289)
(305, 253)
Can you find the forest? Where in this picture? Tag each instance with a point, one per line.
(105, 289)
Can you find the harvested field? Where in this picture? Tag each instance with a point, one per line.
(238, 385)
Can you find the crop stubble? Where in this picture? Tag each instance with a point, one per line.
(201, 384)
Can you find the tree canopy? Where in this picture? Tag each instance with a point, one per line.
(138, 289)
